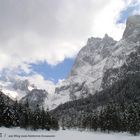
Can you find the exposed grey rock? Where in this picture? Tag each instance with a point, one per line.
(132, 31)
(103, 61)
(21, 85)
(34, 98)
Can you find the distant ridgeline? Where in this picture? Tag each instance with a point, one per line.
(13, 114)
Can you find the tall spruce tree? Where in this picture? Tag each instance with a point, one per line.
(2, 107)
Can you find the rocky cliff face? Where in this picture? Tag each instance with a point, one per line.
(87, 72)
(14, 88)
(132, 31)
(35, 97)
(126, 58)
(102, 62)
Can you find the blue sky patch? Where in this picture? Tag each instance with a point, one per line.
(53, 73)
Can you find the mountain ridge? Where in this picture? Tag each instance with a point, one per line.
(99, 56)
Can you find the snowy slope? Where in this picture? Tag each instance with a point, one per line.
(15, 89)
(17, 133)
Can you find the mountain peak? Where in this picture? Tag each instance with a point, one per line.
(132, 30)
(106, 36)
(93, 40)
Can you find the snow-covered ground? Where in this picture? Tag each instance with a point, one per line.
(21, 134)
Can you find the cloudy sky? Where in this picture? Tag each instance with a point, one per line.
(39, 39)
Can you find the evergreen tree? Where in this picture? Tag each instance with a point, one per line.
(134, 118)
(8, 116)
(94, 121)
(54, 124)
(36, 118)
(48, 122)
(43, 119)
(15, 108)
(2, 107)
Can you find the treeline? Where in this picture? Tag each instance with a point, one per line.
(114, 117)
(18, 115)
(110, 118)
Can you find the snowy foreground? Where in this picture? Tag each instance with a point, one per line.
(16, 134)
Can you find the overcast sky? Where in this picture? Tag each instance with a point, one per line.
(49, 31)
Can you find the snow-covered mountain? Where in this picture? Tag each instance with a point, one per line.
(15, 88)
(23, 91)
(35, 97)
(91, 71)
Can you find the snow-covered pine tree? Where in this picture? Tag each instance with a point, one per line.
(2, 107)
(133, 118)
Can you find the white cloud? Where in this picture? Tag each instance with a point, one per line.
(32, 48)
(34, 31)
(105, 20)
